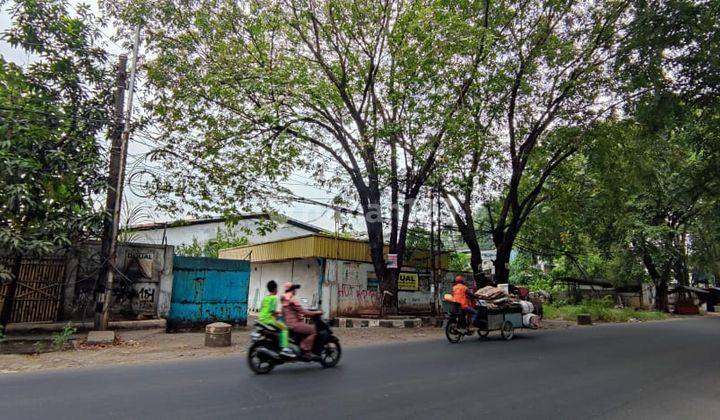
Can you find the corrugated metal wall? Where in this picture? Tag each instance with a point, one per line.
(208, 290)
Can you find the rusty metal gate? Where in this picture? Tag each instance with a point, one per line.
(39, 289)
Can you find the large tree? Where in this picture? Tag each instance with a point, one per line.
(359, 93)
(50, 114)
(545, 87)
(635, 198)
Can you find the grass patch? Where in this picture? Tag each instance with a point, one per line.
(600, 310)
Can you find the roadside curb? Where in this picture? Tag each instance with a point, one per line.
(85, 326)
(377, 323)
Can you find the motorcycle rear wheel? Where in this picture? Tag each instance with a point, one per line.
(330, 355)
(258, 363)
(451, 332)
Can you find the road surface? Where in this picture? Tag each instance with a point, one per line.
(659, 370)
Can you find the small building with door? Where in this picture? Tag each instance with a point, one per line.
(338, 272)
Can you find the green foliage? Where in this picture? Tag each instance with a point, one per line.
(623, 208)
(655, 54)
(600, 310)
(61, 338)
(705, 245)
(457, 261)
(543, 75)
(50, 115)
(418, 239)
(525, 271)
(282, 86)
(211, 248)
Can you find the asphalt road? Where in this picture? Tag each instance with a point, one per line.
(632, 371)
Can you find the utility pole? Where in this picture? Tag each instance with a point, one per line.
(109, 234)
(434, 274)
(116, 180)
(439, 227)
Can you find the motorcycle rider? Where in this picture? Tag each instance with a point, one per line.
(269, 311)
(462, 295)
(293, 312)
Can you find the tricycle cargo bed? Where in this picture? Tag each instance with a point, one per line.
(493, 319)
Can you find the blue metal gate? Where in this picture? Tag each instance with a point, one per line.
(208, 290)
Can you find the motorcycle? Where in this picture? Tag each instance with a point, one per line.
(456, 325)
(265, 352)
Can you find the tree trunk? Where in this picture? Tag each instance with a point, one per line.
(661, 295)
(386, 278)
(659, 280)
(502, 262)
(476, 261)
(680, 260)
(9, 302)
(466, 227)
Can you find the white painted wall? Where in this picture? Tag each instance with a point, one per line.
(305, 272)
(345, 287)
(183, 235)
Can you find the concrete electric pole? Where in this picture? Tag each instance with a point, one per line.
(116, 179)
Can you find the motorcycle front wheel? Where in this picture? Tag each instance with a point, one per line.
(451, 331)
(330, 355)
(257, 362)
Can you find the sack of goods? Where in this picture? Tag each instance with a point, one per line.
(490, 293)
(531, 321)
(527, 307)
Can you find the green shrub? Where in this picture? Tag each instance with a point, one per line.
(60, 338)
(599, 310)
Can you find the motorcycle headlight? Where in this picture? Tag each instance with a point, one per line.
(255, 336)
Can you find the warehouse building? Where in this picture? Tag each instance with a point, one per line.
(339, 273)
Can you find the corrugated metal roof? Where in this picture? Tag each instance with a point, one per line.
(249, 216)
(320, 246)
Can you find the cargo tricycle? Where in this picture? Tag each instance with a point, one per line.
(505, 320)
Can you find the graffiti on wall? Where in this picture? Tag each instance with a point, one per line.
(415, 302)
(136, 285)
(141, 291)
(145, 297)
(354, 300)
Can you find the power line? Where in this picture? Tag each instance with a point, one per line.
(21, 44)
(50, 114)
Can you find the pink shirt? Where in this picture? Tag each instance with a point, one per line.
(292, 310)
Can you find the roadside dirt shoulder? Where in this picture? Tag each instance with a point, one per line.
(144, 346)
